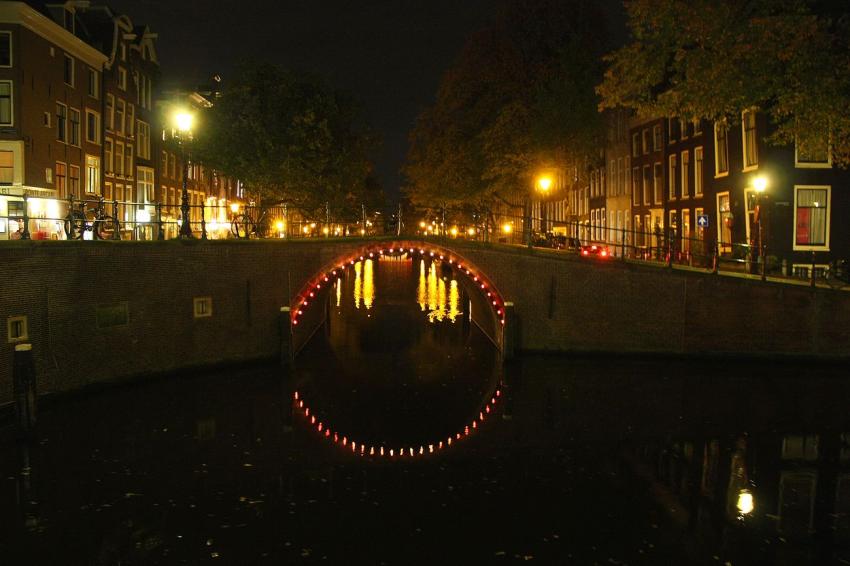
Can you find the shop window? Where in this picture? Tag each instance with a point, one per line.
(16, 329)
(202, 307)
(7, 167)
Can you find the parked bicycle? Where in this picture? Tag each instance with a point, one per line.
(95, 220)
(246, 225)
(838, 273)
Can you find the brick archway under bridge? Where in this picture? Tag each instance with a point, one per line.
(307, 310)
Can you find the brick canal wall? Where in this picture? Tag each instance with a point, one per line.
(102, 311)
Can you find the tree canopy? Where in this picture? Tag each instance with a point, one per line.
(714, 58)
(520, 94)
(288, 137)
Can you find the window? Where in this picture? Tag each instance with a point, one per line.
(122, 76)
(671, 179)
(144, 182)
(46, 120)
(107, 191)
(48, 175)
(108, 156)
(672, 130)
(74, 181)
(61, 122)
(6, 116)
(635, 144)
(202, 307)
(128, 160)
(683, 128)
(93, 83)
(657, 175)
(119, 116)
(144, 141)
(686, 174)
(92, 174)
(645, 142)
(812, 151)
(74, 134)
(164, 165)
(123, 51)
(119, 158)
(61, 180)
(7, 167)
(173, 166)
(686, 231)
(724, 222)
(131, 120)
(656, 138)
(92, 127)
(636, 185)
(69, 70)
(748, 127)
(697, 127)
(646, 185)
(721, 150)
(110, 112)
(5, 49)
(800, 447)
(811, 217)
(16, 329)
(698, 171)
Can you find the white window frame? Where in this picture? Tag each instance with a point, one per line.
(685, 168)
(724, 246)
(817, 248)
(143, 141)
(92, 181)
(699, 171)
(96, 115)
(109, 156)
(672, 165)
(110, 112)
(64, 138)
(717, 172)
(73, 69)
(749, 166)
(71, 141)
(813, 164)
(122, 78)
(96, 83)
(145, 184)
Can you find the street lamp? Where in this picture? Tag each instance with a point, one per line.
(760, 185)
(183, 121)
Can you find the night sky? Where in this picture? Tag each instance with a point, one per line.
(388, 53)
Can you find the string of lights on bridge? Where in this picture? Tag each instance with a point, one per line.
(359, 448)
(328, 278)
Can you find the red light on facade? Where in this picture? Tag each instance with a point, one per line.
(344, 440)
(382, 450)
(498, 393)
(300, 404)
(327, 432)
(296, 395)
(294, 322)
(307, 412)
(466, 430)
(320, 427)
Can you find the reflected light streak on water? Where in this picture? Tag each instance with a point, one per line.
(338, 292)
(422, 290)
(358, 283)
(368, 284)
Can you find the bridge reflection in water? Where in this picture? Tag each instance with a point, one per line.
(399, 369)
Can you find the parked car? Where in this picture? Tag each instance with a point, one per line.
(596, 250)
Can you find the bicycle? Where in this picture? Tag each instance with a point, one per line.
(837, 275)
(244, 225)
(95, 220)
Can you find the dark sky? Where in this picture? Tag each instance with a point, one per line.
(388, 53)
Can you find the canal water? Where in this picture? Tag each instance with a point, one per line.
(399, 438)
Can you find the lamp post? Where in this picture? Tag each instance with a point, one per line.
(543, 184)
(760, 185)
(184, 126)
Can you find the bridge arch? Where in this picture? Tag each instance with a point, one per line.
(475, 277)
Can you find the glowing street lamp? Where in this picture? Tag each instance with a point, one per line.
(745, 502)
(183, 121)
(544, 183)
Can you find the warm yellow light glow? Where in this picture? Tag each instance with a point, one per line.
(358, 283)
(279, 225)
(368, 284)
(234, 207)
(326, 230)
(422, 224)
(183, 119)
(306, 230)
(338, 291)
(746, 504)
(422, 290)
(760, 183)
(453, 231)
(312, 224)
(507, 228)
(544, 183)
(362, 232)
(471, 231)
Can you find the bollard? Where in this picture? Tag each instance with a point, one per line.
(510, 333)
(24, 385)
(285, 338)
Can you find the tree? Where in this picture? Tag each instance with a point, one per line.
(712, 59)
(288, 137)
(520, 96)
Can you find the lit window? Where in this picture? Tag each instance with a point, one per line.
(686, 174)
(811, 217)
(672, 178)
(92, 174)
(698, 171)
(748, 125)
(721, 149)
(7, 167)
(16, 329)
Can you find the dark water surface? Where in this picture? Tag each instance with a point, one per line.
(580, 461)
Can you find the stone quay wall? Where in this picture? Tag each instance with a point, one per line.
(106, 311)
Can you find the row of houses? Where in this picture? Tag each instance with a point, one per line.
(83, 115)
(696, 189)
